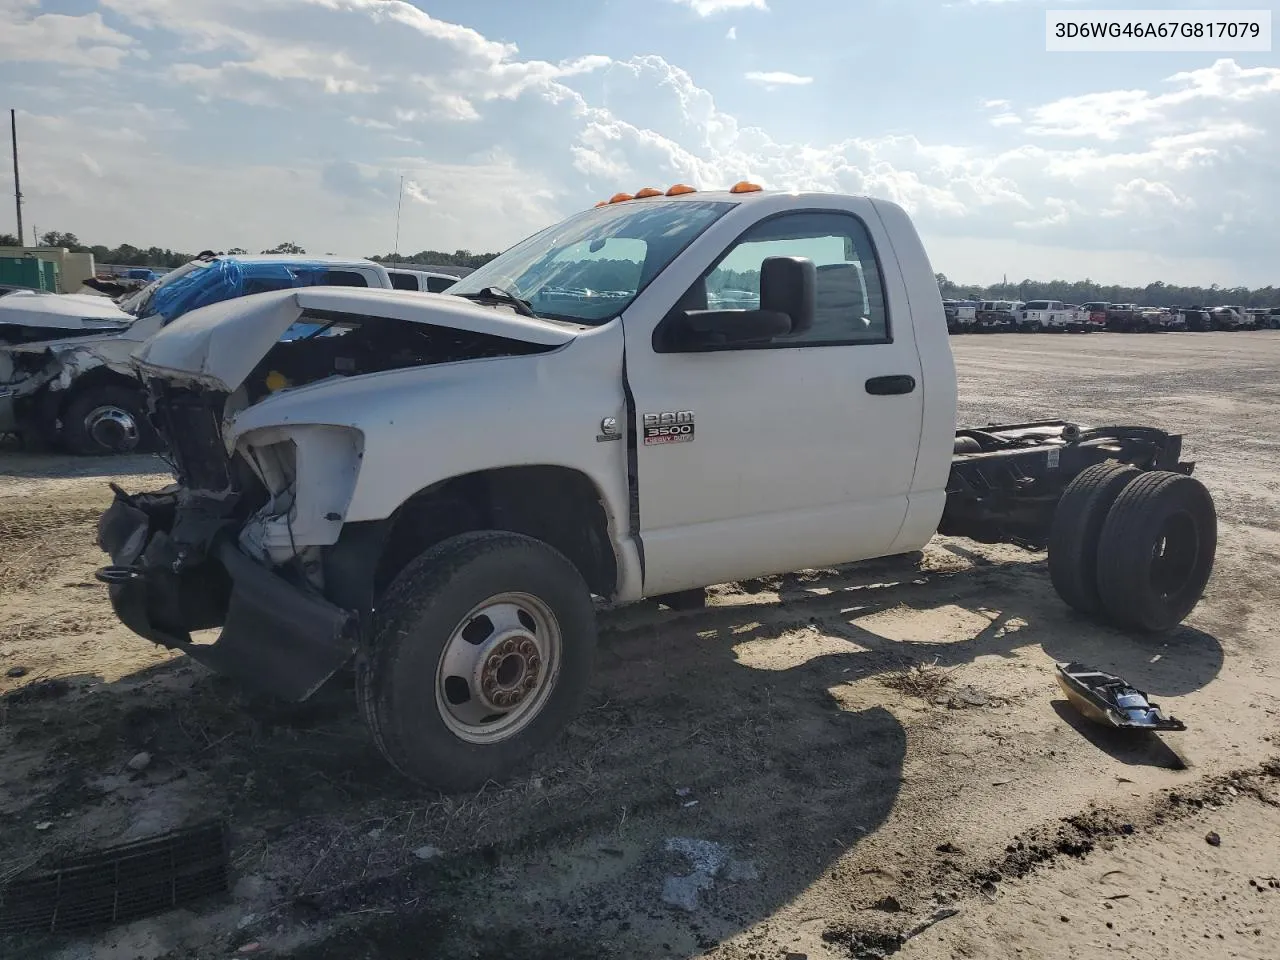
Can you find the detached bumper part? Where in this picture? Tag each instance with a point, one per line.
(276, 638)
(1106, 699)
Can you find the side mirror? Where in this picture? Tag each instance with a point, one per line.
(787, 287)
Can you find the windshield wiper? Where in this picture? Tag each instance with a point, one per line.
(522, 307)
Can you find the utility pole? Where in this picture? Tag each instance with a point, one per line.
(399, 204)
(17, 184)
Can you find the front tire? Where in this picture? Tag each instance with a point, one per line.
(107, 420)
(482, 652)
(1156, 551)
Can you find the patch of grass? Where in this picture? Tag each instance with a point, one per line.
(927, 681)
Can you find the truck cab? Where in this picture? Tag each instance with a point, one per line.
(670, 390)
(424, 281)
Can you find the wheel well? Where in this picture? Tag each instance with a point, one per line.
(557, 505)
(91, 379)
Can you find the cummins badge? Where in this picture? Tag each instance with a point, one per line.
(668, 427)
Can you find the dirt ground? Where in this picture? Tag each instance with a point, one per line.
(843, 763)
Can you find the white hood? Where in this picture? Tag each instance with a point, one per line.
(61, 311)
(219, 345)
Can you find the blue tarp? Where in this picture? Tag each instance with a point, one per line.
(227, 279)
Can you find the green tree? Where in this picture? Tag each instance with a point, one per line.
(9, 240)
(237, 252)
(56, 238)
(289, 248)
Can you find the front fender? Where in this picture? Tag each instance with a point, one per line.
(427, 424)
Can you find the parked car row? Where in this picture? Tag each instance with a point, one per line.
(65, 374)
(1054, 316)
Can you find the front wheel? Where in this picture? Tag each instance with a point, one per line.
(107, 419)
(482, 651)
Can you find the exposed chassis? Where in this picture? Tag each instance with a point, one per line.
(1006, 479)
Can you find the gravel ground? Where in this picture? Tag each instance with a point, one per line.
(841, 763)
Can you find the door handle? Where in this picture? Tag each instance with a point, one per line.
(887, 386)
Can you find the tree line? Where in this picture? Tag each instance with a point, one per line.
(1158, 294)
(128, 255)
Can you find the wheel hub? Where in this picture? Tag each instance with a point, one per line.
(113, 428)
(508, 671)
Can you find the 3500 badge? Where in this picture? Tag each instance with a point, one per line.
(672, 426)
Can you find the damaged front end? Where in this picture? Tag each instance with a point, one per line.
(178, 566)
(39, 365)
(253, 537)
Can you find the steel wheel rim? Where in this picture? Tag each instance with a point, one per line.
(112, 427)
(1175, 556)
(498, 668)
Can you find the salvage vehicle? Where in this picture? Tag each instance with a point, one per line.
(423, 281)
(961, 315)
(998, 316)
(1226, 318)
(442, 491)
(1096, 314)
(65, 376)
(1195, 319)
(1052, 316)
(1132, 318)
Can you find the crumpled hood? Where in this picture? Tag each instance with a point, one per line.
(61, 311)
(219, 345)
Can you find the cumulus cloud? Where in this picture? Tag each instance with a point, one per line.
(778, 78)
(27, 36)
(709, 8)
(345, 96)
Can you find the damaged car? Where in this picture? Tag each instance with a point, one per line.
(439, 489)
(65, 377)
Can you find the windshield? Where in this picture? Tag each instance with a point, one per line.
(140, 303)
(588, 268)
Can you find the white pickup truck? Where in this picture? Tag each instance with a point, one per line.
(424, 281)
(65, 375)
(441, 489)
(1051, 316)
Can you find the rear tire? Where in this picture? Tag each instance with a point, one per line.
(1077, 524)
(1156, 551)
(438, 663)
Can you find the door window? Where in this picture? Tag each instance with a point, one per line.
(849, 297)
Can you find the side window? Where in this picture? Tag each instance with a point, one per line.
(849, 299)
(404, 281)
(439, 284)
(345, 278)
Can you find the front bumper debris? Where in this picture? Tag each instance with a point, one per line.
(176, 569)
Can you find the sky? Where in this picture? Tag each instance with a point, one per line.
(196, 124)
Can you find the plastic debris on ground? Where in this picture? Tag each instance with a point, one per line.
(1111, 701)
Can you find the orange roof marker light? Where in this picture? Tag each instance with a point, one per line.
(680, 188)
(603, 203)
(742, 186)
(647, 192)
(621, 198)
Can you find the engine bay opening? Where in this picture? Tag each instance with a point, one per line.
(324, 344)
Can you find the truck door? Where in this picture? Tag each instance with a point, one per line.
(789, 454)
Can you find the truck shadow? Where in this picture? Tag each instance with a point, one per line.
(752, 760)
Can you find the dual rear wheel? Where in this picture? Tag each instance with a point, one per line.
(1132, 547)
